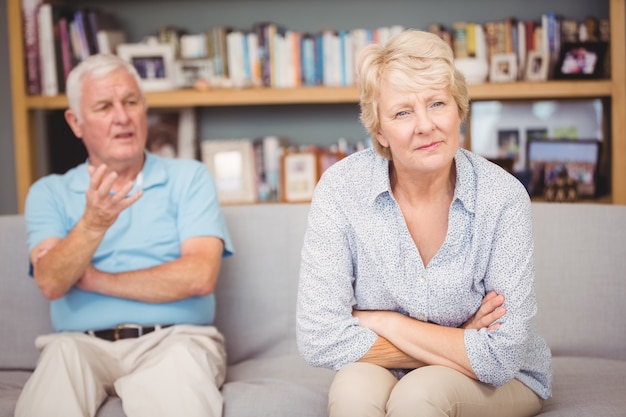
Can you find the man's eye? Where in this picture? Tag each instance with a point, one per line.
(103, 107)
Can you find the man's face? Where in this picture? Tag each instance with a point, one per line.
(114, 120)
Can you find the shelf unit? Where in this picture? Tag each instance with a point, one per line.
(614, 89)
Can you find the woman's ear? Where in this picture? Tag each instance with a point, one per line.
(74, 123)
(381, 139)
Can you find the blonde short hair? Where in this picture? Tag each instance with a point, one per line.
(413, 60)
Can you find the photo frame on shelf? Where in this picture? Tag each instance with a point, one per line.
(547, 158)
(173, 132)
(537, 66)
(231, 162)
(300, 175)
(581, 60)
(190, 71)
(503, 68)
(153, 61)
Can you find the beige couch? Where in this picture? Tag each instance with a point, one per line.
(580, 280)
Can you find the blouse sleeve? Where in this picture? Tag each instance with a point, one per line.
(327, 334)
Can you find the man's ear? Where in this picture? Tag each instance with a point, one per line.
(72, 121)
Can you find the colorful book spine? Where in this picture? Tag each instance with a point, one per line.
(30, 9)
(47, 58)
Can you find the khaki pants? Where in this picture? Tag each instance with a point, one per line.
(176, 371)
(366, 390)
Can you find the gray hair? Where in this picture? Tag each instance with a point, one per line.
(95, 66)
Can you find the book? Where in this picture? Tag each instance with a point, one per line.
(268, 152)
(331, 52)
(83, 44)
(67, 55)
(253, 60)
(235, 56)
(30, 10)
(109, 39)
(307, 58)
(97, 21)
(459, 40)
(47, 53)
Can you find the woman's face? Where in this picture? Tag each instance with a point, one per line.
(420, 128)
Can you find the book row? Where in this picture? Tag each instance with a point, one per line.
(270, 55)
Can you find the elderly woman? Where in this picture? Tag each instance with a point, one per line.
(417, 271)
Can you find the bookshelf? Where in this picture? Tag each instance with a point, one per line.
(26, 108)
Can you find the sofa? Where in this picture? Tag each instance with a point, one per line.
(580, 282)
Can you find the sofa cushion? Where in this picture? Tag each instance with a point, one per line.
(275, 387)
(585, 387)
(25, 312)
(11, 383)
(579, 278)
(256, 291)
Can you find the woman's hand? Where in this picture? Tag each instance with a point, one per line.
(490, 310)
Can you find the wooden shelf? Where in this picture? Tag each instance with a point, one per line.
(329, 95)
(25, 122)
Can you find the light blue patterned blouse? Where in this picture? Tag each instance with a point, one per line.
(358, 253)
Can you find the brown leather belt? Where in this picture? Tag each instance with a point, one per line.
(125, 331)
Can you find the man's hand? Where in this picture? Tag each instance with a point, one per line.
(103, 203)
(490, 310)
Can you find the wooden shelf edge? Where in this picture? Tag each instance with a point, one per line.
(330, 95)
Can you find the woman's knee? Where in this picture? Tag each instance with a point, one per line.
(360, 389)
(429, 391)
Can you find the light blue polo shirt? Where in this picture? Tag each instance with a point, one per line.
(179, 202)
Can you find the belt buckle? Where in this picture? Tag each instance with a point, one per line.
(119, 327)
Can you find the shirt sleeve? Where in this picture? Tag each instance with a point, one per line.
(498, 356)
(42, 215)
(328, 336)
(199, 212)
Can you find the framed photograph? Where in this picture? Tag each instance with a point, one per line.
(300, 175)
(190, 71)
(548, 158)
(153, 61)
(537, 66)
(231, 162)
(581, 60)
(503, 68)
(173, 132)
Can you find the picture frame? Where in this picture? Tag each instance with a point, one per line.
(153, 61)
(231, 162)
(549, 157)
(190, 71)
(581, 60)
(503, 68)
(300, 175)
(537, 66)
(172, 132)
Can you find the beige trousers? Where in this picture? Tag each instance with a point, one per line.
(367, 390)
(176, 371)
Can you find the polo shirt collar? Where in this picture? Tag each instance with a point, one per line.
(153, 173)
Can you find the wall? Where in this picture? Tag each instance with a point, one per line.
(8, 192)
